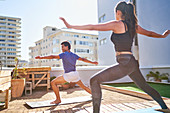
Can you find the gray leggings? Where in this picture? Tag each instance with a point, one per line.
(128, 65)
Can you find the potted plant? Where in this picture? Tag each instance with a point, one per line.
(157, 76)
(51, 78)
(17, 82)
(164, 77)
(66, 85)
(150, 76)
(153, 76)
(72, 84)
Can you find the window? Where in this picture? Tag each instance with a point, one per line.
(90, 44)
(11, 49)
(81, 50)
(2, 18)
(11, 20)
(2, 32)
(11, 24)
(55, 49)
(56, 41)
(103, 41)
(11, 37)
(2, 23)
(11, 53)
(2, 35)
(85, 37)
(2, 49)
(2, 27)
(53, 29)
(2, 40)
(11, 41)
(67, 34)
(76, 35)
(102, 18)
(77, 42)
(70, 41)
(2, 44)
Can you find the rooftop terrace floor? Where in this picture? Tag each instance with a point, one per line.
(112, 102)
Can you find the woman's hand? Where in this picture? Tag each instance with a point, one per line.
(166, 33)
(98, 27)
(65, 22)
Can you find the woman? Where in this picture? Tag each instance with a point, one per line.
(124, 29)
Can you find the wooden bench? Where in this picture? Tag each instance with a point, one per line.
(5, 84)
(36, 75)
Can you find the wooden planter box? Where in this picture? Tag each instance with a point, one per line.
(3, 96)
(39, 76)
(5, 84)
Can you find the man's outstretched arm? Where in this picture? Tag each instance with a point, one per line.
(48, 57)
(87, 61)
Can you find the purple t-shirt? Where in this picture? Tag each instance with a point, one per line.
(69, 61)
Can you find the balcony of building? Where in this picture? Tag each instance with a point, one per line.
(10, 29)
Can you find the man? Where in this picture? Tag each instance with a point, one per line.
(70, 75)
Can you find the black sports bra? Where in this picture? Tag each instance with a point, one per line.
(122, 41)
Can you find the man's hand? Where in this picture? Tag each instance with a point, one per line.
(96, 63)
(37, 57)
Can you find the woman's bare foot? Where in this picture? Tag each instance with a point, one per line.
(56, 102)
(163, 110)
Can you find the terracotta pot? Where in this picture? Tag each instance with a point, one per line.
(72, 84)
(17, 87)
(164, 81)
(65, 86)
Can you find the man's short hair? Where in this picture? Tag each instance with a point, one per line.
(66, 43)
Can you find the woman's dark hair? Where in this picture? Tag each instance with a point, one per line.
(66, 43)
(129, 15)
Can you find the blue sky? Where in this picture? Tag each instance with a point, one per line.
(36, 14)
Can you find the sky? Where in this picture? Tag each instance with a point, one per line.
(36, 14)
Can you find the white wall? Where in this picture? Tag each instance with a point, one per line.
(154, 15)
(85, 73)
(106, 52)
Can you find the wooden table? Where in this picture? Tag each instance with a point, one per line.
(36, 75)
(5, 84)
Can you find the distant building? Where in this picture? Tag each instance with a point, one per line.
(9, 40)
(83, 44)
(23, 63)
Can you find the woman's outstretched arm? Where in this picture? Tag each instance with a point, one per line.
(143, 31)
(109, 26)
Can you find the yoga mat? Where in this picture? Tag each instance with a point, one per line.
(63, 101)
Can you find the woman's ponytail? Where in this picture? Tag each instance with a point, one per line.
(128, 14)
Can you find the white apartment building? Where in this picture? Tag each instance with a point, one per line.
(83, 44)
(152, 54)
(9, 40)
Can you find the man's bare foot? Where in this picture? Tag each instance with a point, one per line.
(55, 102)
(163, 110)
